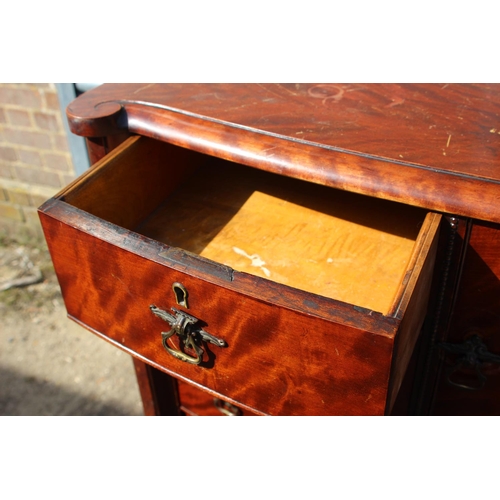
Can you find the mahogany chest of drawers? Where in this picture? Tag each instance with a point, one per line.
(289, 250)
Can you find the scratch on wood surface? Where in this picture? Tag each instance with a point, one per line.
(337, 351)
(284, 88)
(368, 398)
(395, 102)
(323, 92)
(269, 90)
(123, 283)
(143, 88)
(239, 107)
(444, 86)
(449, 139)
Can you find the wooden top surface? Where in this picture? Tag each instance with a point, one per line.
(430, 145)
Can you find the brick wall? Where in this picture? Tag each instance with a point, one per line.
(35, 161)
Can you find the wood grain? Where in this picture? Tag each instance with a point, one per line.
(413, 305)
(322, 368)
(331, 243)
(132, 180)
(434, 146)
(118, 241)
(110, 276)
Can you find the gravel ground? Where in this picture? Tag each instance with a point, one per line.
(49, 365)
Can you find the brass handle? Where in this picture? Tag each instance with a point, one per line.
(227, 408)
(472, 354)
(183, 325)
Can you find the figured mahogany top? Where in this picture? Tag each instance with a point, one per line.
(430, 145)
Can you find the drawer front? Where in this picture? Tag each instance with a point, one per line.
(277, 360)
(282, 351)
(195, 402)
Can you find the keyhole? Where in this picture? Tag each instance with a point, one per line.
(181, 294)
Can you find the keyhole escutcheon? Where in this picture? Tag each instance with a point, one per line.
(181, 294)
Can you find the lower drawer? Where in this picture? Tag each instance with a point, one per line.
(196, 402)
(154, 249)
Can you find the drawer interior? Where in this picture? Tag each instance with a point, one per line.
(329, 242)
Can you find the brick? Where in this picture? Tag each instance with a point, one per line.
(37, 176)
(47, 121)
(57, 161)
(30, 157)
(11, 212)
(5, 171)
(31, 217)
(19, 117)
(8, 154)
(22, 193)
(67, 178)
(38, 199)
(52, 101)
(27, 98)
(33, 139)
(18, 196)
(61, 142)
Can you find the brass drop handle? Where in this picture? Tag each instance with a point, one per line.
(472, 353)
(183, 325)
(227, 408)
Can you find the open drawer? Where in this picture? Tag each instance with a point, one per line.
(289, 298)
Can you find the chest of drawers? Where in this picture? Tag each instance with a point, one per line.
(261, 250)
